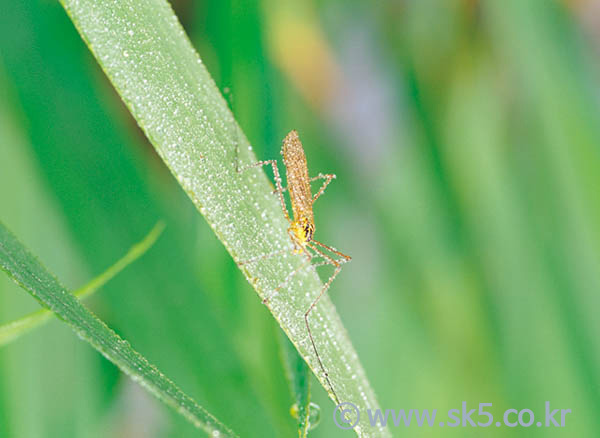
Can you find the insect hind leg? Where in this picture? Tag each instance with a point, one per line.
(310, 335)
(337, 263)
(328, 177)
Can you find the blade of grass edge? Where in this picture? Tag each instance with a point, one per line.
(14, 329)
(147, 56)
(29, 273)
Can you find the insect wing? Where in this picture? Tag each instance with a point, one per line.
(297, 176)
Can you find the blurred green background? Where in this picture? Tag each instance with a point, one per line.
(466, 140)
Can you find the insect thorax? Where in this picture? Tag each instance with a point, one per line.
(303, 230)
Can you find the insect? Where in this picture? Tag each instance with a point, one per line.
(302, 224)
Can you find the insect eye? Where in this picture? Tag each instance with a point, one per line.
(308, 231)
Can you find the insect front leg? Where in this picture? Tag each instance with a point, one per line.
(277, 177)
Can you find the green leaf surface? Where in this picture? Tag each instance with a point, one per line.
(12, 330)
(145, 53)
(109, 188)
(27, 271)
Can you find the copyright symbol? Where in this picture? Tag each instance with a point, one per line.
(348, 415)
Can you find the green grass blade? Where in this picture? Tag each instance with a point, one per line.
(28, 272)
(12, 330)
(297, 373)
(145, 53)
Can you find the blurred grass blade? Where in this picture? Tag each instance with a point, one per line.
(298, 376)
(12, 330)
(145, 53)
(27, 271)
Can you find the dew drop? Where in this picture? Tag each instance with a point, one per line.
(314, 414)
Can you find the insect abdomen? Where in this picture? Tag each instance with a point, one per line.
(298, 182)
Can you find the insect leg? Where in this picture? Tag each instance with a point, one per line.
(338, 267)
(290, 275)
(279, 190)
(309, 259)
(312, 341)
(327, 177)
(273, 163)
(263, 257)
(344, 258)
(228, 95)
